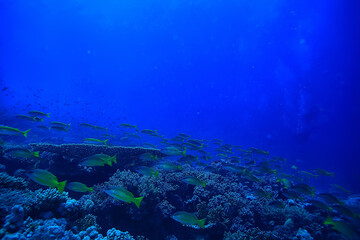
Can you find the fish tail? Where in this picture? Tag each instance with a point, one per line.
(113, 159)
(201, 223)
(328, 221)
(36, 154)
(105, 142)
(156, 174)
(61, 186)
(26, 132)
(184, 152)
(137, 201)
(69, 125)
(203, 184)
(90, 189)
(48, 115)
(332, 174)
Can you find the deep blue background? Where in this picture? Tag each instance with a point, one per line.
(278, 75)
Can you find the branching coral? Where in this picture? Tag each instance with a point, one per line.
(11, 182)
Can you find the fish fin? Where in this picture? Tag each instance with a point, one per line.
(61, 186)
(36, 154)
(156, 174)
(137, 201)
(313, 192)
(184, 152)
(26, 132)
(109, 162)
(36, 164)
(105, 142)
(201, 223)
(108, 192)
(41, 120)
(156, 157)
(113, 159)
(328, 221)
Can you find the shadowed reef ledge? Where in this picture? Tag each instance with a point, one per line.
(79, 150)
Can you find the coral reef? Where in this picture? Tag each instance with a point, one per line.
(226, 202)
(55, 229)
(11, 182)
(14, 221)
(235, 203)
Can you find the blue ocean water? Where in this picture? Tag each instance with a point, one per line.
(281, 76)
